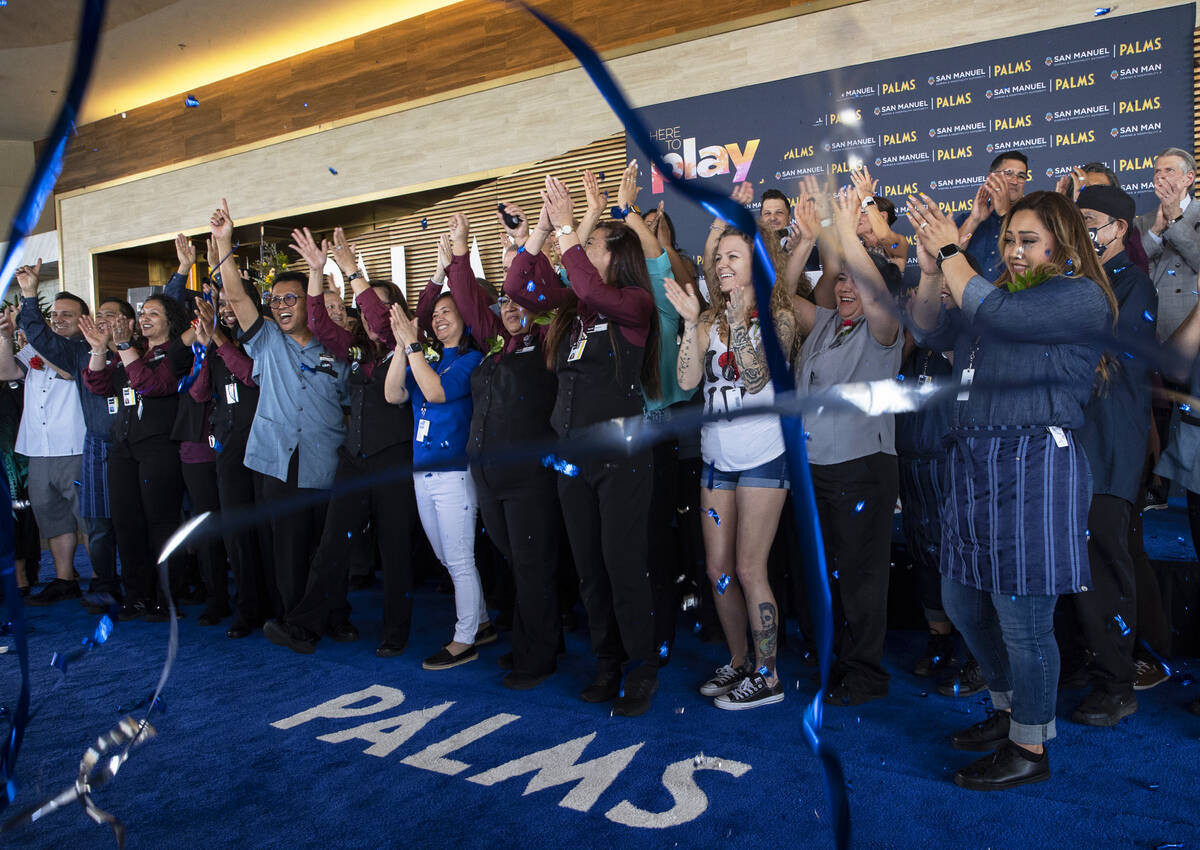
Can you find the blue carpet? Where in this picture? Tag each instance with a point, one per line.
(220, 774)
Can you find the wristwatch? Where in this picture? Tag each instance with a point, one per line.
(354, 276)
(946, 252)
(124, 346)
(867, 202)
(564, 230)
(413, 348)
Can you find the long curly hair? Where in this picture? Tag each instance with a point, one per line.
(177, 317)
(781, 299)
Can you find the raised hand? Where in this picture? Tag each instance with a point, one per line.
(999, 194)
(627, 192)
(460, 233)
(213, 255)
(821, 197)
(97, 336)
(221, 224)
(306, 246)
(344, 254)
(186, 252)
(517, 235)
(743, 193)
(926, 260)
(403, 328)
(804, 215)
(27, 279)
(683, 299)
(591, 192)
(556, 200)
(846, 212)
(933, 228)
(864, 186)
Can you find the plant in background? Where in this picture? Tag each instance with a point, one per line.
(272, 262)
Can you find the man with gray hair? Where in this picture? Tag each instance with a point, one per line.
(1171, 238)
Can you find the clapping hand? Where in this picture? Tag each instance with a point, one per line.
(683, 299)
(97, 336)
(186, 252)
(403, 328)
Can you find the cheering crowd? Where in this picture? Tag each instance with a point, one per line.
(1047, 319)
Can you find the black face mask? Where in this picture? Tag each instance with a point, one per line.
(1094, 233)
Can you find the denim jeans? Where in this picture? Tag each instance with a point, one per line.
(1012, 638)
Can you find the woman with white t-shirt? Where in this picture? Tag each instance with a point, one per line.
(744, 481)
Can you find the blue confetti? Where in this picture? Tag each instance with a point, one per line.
(600, 175)
(1101, 10)
(332, 170)
(664, 650)
(531, 286)
(895, 245)
(541, 297)
(1171, 272)
(559, 465)
(924, 694)
(104, 629)
(1127, 355)
(1148, 316)
(957, 688)
(900, 377)
(523, 319)
(858, 508)
(445, 444)
(190, 101)
(722, 583)
(1121, 625)
(696, 629)
(306, 106)
(1186, 408)
(1185, 680)
(424, 223)
(348, 535)
(835, 575)
(763, 671)
(716, 516)
(1153, 786)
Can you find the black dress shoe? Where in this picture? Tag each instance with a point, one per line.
(965, 682)
(605, 686)
(343, 632)
(55, 591)
(853, 690)
(985, 735)
(387, 649)
(212, 616)
(1104, 709)
(1011, 765)
(132, 611)
(162, 614)
(634, 698)
(239, 629)
(515, 681)
(938, 658)
(295, 638)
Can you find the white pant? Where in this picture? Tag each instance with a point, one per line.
(447, 505)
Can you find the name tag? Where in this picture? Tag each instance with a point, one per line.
(128, 396)
(113, 404)
(526, 349)
(422, 430)
(577, 349)
(1060, 438)
(922, 380)
(968, 377)
(231, 393)
(158, 357)
(599, 326)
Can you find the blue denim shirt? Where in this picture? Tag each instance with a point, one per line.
(1118, 415)
(301, 395)
(72, 354)
(985, 245)
(1044, 338)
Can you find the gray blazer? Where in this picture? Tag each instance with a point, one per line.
(1173, 266)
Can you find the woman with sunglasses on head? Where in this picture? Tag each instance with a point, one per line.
(226, 380)
(439, 387)
(378, 438)
(1014, 526)
(603, 346)
(145, 479)
(512, 394)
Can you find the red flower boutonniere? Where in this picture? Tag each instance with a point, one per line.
(37, 363)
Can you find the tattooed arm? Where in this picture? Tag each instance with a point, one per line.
(752, 358)
(689, 367)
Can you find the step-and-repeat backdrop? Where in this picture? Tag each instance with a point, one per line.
(1112, 90)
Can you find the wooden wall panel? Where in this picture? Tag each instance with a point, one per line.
(472, 44)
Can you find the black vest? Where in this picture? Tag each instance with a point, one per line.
(230, 421)
(602, 383)
(512, 396)
(157, 413)
(375, 424)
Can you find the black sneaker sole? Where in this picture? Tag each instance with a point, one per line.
(730, 705)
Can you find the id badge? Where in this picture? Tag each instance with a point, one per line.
(113, 404)
(128, 396)
(139, 410)
(922, 380)
(577, 349)
(231, 393)
(968, 376)
(422, 430)
(1060, 438)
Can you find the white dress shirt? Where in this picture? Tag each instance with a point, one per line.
(52, 423)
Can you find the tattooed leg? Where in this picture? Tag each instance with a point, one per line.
(766, 638)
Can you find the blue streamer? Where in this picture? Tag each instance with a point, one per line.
(804, 498)
(45, 175)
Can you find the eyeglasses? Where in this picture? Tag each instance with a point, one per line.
(288, 300)
(1012, 173)
(502, 300)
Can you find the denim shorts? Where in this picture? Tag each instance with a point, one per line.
(773, 475)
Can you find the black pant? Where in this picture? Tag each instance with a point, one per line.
(202, 487)
(295, 533)
(145, 493)
(1107, 610)
(249, 549)
(856, 501)
(665, 553)
(1152, 633)
(391, 507)
(605, 508)
(102, 552)
(523, 525)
